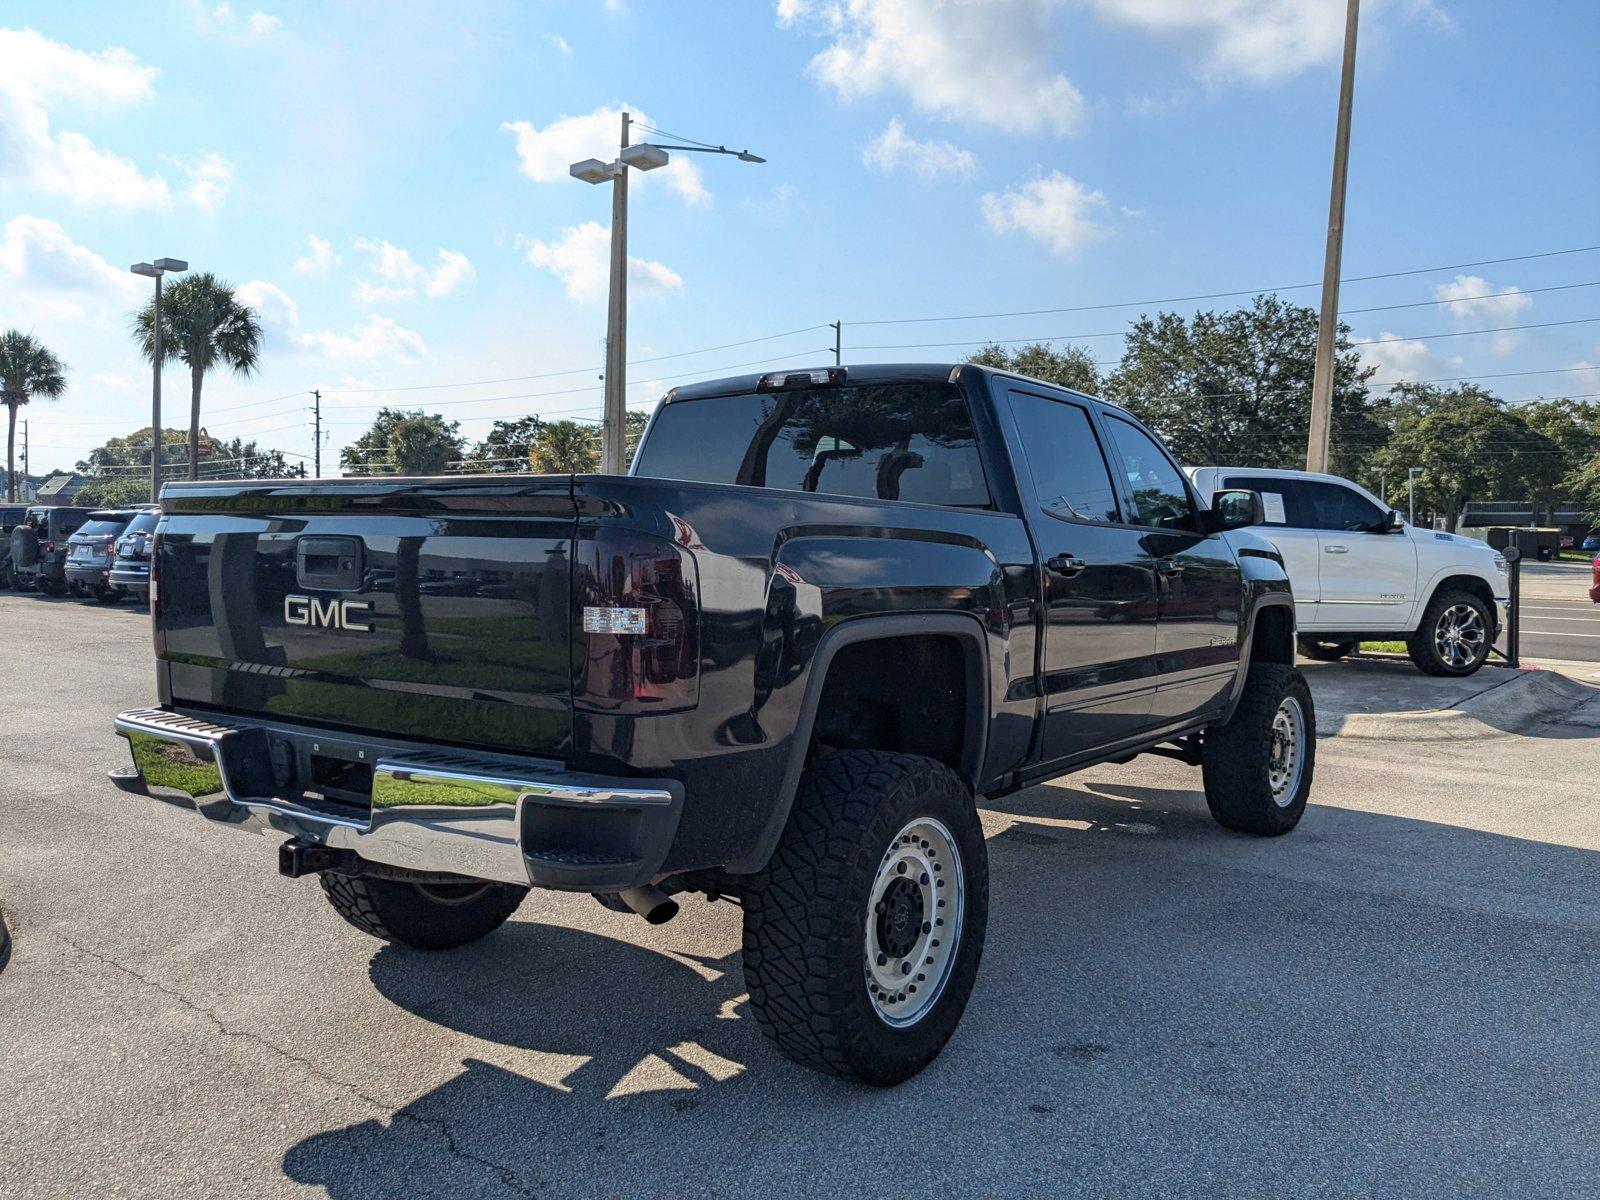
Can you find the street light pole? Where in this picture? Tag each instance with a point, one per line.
(1411, 494)
(155, 271)
(1328, 324)
(615, 423)
(642, 157)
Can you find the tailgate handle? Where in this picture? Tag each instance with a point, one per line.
(330, 563)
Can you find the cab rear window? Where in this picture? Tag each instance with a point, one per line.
(903, 441)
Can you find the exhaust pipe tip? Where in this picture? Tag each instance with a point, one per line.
(651, 903)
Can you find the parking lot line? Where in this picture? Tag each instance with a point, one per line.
(1558, 634)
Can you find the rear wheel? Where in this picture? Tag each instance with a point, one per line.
(862, 939)
(107, 595)
(429, 916)
(1454, 636)
(1258, 767)
(1323, 650)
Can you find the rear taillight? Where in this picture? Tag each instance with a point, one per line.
(636, 624)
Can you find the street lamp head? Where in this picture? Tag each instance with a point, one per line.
(746, 156)
(592, 170)
(176, 265)
(645, 157)
(148, 270)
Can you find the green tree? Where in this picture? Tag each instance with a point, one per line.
(203, 325)
(27, 369)
(633, 424)
(404, 442)
(565, 447)
(1234, 388)
(507, 446)
(231, 459)
(1072, 367)
(1574, 428)
(1468, 446)
(114, 491)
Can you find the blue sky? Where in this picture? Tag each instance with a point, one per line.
(386, 181)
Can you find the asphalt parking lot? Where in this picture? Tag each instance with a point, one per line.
(1558, 618)
(1400, 998)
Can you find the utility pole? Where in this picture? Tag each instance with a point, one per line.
(613, 434)
(316, 449)
(25, 495)
(838, 337)
(1328, 324)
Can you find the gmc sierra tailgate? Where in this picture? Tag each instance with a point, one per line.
(434, 609)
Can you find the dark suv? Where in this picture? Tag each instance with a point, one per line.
(130, 570)
(92, 550)
(10, 517)
(55, 526)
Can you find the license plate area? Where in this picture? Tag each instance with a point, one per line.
(340, 783)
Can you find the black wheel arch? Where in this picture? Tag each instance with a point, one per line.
(971, 638)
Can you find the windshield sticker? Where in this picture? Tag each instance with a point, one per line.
(1272, 504)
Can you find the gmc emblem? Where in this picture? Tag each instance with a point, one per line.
(328, 614)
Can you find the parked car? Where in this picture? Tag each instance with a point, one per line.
(1590, 544)
(1594, 581)
(10, 517)
(1361, 573)
(91, 551)
(778, 663)
(130, 570)
(54, 526)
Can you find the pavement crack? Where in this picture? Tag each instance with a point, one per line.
(507, 1176)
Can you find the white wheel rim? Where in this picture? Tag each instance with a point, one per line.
(1286, 757)
(1459, 637)
(913, 922)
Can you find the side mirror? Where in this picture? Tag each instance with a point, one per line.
(1393, 523)
(1233, 508)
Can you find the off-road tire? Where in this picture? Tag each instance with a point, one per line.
(1237, 759)
(1322, 650)
(805, 920)
(1420, 644)
(428, 917)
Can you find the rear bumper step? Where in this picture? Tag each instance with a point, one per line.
(432, 809)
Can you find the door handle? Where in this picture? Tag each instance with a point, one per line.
(1169, 566)
(1336, 549)
(1066, 564)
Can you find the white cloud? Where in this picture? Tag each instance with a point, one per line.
(1055, 209)
(581, 259)
(319, 257)
(376, 339)
(1403, 360)
(373, 340)
(220, 20)
(893, 150)
(1476, 301)
(44, 272)
(111, 380)
(988, 63)
(559, 42)
(210, 179)
(545, 154)
(1260, 41)
(39, 72)
(395, 275)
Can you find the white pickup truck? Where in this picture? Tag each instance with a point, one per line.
(1360, 573)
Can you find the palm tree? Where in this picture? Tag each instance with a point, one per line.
(565, 447)
(27, 369)
(203, 325)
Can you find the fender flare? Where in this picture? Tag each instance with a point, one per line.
(1265, 600)
(969, 633)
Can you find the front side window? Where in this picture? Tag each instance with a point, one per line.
(898, 441)
(1069, 471)
(1159, 498)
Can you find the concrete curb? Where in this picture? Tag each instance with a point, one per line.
(1504, 710)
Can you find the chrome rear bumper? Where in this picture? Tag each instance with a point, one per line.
(431, 808)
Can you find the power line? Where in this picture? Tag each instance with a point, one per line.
(1289, 287)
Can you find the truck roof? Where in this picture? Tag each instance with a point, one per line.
(866, 373)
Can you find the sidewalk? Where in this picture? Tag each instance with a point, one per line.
(1382, 697)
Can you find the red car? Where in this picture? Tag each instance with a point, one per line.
(1594, 581)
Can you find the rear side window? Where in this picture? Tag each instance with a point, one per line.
(902, 441)
(1069, 471)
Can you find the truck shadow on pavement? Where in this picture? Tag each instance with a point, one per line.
(1374, 1004)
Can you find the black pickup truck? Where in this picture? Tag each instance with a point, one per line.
(778, 663)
